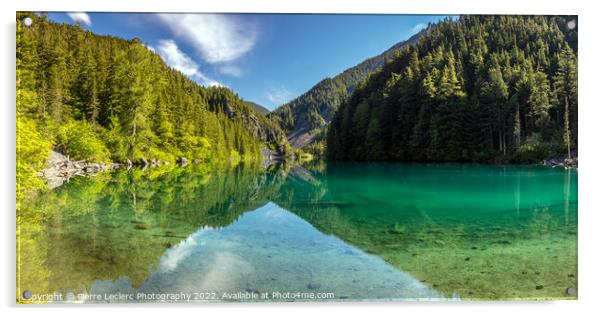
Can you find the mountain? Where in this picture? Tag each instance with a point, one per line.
(480, 88)
(258, 108)
(305, 118)
(103, 99)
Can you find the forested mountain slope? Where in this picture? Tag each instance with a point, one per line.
(102, 98)
(481, 88)
(258, 108)
(307, 116)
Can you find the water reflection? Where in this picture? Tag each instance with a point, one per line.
(270, 250)
(361, 231)
(120, 224)
(479, 232)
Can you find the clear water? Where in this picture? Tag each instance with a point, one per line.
(335, 232)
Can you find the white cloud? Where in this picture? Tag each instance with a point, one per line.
(218, 38)
(231, 70)
(152, 49)
(177, 59)
(278, 96)
(418, 27)
(82, 17)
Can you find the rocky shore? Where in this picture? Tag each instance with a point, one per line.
(561, 162)
(61, 168)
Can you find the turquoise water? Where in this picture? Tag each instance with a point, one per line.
(334, 232)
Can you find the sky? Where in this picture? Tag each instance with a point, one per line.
(266, 58)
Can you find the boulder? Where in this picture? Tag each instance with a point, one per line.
(61, 169)
(183, 161)
(143, 162)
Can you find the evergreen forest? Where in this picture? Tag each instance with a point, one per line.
(473, 89)
(107, 99)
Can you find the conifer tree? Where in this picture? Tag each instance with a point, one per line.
(474, 89)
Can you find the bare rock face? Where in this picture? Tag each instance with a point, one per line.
(56, 158)
(229, 111)
(270, 157)
(61, 169)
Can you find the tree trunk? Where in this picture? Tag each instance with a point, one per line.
(567, 129)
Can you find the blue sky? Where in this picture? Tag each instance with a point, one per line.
(266, 58)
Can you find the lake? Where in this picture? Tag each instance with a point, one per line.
(328, 232)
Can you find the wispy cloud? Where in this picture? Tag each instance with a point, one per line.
(278, 96)
(177, 59)
(231, 70)
(218, 38)
(418, 27)
(81, 17)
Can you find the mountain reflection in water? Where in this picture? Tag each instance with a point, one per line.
(360, 231)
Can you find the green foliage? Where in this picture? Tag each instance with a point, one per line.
(114, 208)
(101, 97)
(539, 100)
(316, 150)
(471, 89)
(202, 150)
(32, 145)
(530, 152)
(32, 152)
(78, 140)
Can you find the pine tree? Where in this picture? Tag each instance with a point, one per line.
(566, 89)
(102, 97)
(539, 100)
(476, 89)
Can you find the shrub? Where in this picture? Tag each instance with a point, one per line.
(78, 140)
(234, 158)
(533, 151)
(202, 150)
(157, 154)
(32, 152)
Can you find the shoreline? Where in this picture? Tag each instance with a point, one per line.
(62, 168)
